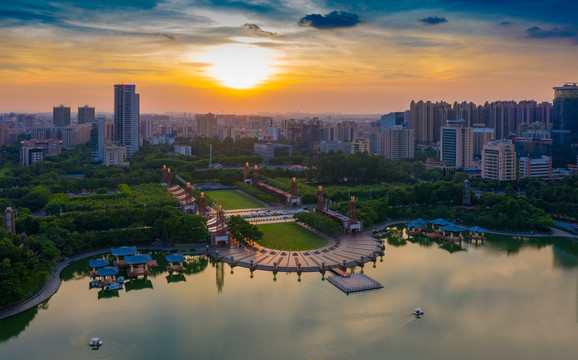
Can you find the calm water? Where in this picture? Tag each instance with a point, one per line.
(514, 300)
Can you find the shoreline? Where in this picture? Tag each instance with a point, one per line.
(52, 284)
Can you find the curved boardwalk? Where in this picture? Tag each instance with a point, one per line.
(337, 249)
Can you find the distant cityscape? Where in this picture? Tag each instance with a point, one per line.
(503, 140)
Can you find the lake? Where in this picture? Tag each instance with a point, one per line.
(504, 299)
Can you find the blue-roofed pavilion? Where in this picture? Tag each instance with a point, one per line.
(123, 251)
(138, 259)
(175, 262)
(440, 222)
(95, 264)
(453, 228)
(139, 264)
(477, 229)
(108, 271)
(98, 263)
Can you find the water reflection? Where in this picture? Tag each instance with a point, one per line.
(502, 300)
(14, 325)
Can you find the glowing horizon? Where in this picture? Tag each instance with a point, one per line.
(277, 56)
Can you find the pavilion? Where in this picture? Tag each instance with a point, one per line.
(415, 227)
(477, 233)
(96, 264)
(107, 273)
(452, 230)
(139, 264)
(175, 263)
(121, 253)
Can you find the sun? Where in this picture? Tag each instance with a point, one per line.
(240, 66)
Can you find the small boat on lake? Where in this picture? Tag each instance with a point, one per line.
(95, 342)
(418, 312)
(113, 286)
(120, 279)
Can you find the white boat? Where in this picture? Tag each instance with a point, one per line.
(418, 312)
(113, 286)
(95, 342)
(120, 279)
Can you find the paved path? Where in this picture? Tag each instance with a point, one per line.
(52, 284)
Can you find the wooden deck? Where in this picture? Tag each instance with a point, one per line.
(340, 272)
(354, 283)
(175, 268)
(138, 271)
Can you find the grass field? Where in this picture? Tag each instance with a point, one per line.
(232, 200)
(289, 236)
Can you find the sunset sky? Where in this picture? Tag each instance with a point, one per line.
(371, 56)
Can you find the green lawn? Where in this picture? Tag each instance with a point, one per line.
(289, 236)
(232, 200)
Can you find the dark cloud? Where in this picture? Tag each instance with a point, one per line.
(537, 33)
(256, 29)
(333, 20)
(433, 20)
(505, 23)
(167, 36)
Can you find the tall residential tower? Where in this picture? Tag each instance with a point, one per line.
(126, 117)
(565, 125)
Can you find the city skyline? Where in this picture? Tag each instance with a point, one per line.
(282, 56)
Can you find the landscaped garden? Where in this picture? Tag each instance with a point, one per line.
(289, 236)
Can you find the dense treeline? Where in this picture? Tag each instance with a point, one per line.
(319, 222)
(23, 265)
(140, 196)
(243, 231)
(256, 193)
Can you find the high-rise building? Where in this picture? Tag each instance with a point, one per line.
(482, 135)
(499, 161)
(421, 121)
(346, 130)
(61, 116)
(398, 144)
(126, 117)
(4, 134)
(114, 155)
(375, 140)
(565, 125)
(360, 145)
(97, 139)
(457, 145)
(535, 167)
(205, 124)
(85, 115)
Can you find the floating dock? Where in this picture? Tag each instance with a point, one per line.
(354, 283)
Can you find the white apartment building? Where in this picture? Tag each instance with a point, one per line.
(499, 161)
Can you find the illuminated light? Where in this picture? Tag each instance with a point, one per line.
(240, 66)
